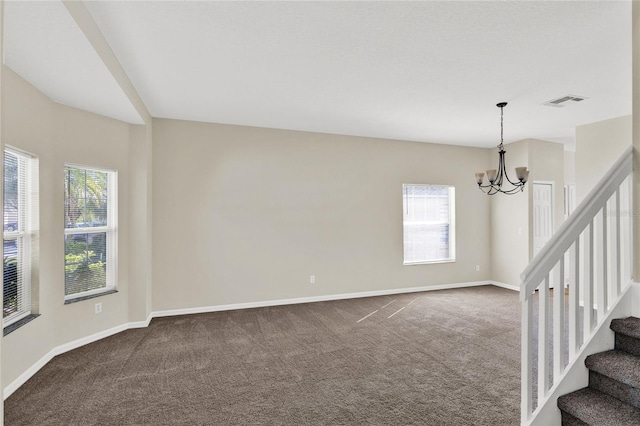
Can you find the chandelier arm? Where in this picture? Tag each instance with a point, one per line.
(492, 189)
(513, 190)
(501, 169)
(518, 183)
(495, 190)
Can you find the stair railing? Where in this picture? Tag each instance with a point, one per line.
(590, 257)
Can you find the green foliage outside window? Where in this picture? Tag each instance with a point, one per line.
(86, 206)
(85, 266)
(10, 287)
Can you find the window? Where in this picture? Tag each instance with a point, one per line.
(20, 222)
(89, 232)
(429, 223)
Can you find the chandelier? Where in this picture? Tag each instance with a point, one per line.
(497, 177)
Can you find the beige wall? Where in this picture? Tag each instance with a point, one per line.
(140, 237)
(512, 215)
(598, 146)
(569, 167)
(29, 122)
(87, 139)
(247, 214)
(56, 135)
(510, 221)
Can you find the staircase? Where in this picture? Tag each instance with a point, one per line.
(613, 395)
(591, 256)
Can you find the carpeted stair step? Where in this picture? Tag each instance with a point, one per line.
(627, 334)
(596, 408)
(615, 373)
(569, 420)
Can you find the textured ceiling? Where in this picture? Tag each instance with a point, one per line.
(422, 71)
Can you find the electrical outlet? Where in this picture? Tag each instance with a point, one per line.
(477, 268)
(312, 279)
(98, 308)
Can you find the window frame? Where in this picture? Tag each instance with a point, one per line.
(110, 229)
(451, 223)
(25, 234)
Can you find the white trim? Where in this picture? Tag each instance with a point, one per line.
(92, 168)
(141, 324)
(13, 386)
(451, 197)
(429, 262)
(330, 297)
(503, 285)
(553, 206)
(109, 230)
(58, 350)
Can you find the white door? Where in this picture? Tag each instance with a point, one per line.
(569, 199)
(542, 215)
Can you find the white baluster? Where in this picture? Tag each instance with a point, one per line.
(527, 359)
(625, 233)
(574, 298)
(601, 283)
(543, 339)
(587, 282)
(616, 282)
(558, 320)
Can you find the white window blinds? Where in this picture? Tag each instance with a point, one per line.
(428, 223)
(20, 223)
(90, 231)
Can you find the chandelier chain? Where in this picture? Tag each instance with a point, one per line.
(501, 126)
(499, 176)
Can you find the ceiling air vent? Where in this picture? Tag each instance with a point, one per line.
(560, 102)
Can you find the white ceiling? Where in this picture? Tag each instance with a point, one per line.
(421, 71)
(43, 44)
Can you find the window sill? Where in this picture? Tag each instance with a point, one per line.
(16, 325)
(430, 262)
(90, 296)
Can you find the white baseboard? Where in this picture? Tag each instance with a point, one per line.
(22, 379)
(141, 324)
(58, 350)
(503, 285)
(325, 298)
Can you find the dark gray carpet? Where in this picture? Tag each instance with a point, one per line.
(613, 395)
(449, 357)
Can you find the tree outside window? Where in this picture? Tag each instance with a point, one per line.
(89, 230)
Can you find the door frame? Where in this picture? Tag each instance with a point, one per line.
(553, 211)
(553, 207)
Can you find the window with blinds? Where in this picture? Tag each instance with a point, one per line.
(19, 223)
(428, 223)
(89, 231)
